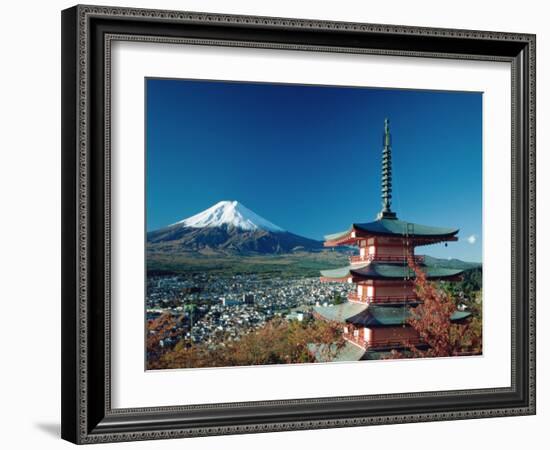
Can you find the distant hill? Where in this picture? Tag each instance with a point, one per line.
(451, 263)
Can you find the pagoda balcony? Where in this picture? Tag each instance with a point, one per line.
(418, 259)
(355, 297)
(394, 344)
(380, 344)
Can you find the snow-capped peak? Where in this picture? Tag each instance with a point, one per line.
(229, 213)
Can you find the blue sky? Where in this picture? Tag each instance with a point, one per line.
(308, 158)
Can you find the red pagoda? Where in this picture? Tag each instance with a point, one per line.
(374, 319)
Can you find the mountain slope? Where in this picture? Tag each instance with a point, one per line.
(228, 227)
(231, 213)
(228, 239)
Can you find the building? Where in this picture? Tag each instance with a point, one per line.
(375, 316)
(227, 302)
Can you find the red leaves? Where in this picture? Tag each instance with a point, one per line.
(432, 321)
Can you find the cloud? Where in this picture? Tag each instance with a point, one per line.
(471, 239)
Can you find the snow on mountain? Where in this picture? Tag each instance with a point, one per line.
(228, 227)
(230, 213)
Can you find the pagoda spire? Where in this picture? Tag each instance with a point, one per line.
(386, 212)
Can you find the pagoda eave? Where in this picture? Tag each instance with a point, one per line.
(335, 353)
(418, 241)
(338, 280)
(350, 237)
(387, 272)
(342, 313)
(354, 236)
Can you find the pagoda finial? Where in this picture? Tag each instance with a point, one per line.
(386, 212)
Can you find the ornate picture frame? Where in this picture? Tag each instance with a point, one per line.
(87, 35)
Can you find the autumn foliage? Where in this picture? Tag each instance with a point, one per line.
(158, 331)
(432, 321)
(278, 342)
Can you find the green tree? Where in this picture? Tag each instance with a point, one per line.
(338, 299)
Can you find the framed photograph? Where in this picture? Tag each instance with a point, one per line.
(279, 224)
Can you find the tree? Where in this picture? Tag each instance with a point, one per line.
(338, 299)
(190, 308)
(159, 331)
(278, 342)
(432, 321)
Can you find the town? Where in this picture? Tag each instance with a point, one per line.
(208, 308)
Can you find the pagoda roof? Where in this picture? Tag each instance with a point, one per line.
(326, 353)
(342, 312)
(395, 227)
(384, 271)
(374, 316)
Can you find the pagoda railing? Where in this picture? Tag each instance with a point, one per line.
(383, 343)
(393, 343)
(355, 297)
(419, 259)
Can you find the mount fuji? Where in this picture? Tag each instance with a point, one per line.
(228, 227)
(233, 214)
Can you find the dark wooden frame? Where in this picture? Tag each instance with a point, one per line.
(87, 31)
